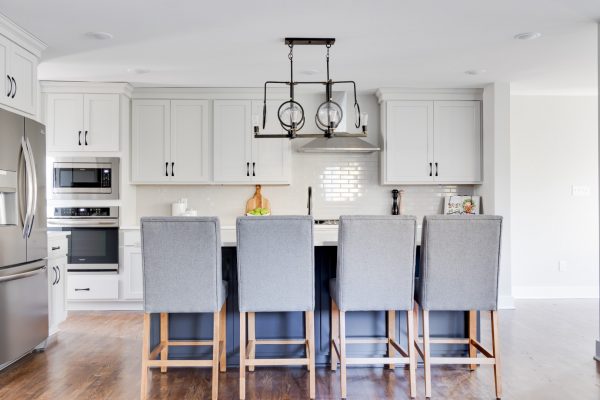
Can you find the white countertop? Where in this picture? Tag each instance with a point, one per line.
(57, 234)
(325, 235)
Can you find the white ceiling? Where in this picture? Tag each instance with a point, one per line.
(428, 43)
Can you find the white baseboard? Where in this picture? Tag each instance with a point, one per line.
(555, 292)
(105, 305)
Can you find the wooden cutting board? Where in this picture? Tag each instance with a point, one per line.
(258, 200)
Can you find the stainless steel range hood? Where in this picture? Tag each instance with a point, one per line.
(339, 144)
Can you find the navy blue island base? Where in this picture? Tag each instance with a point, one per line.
(291, 325)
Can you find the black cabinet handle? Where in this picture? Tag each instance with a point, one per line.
(55, 248)
(11, 86)
(167, 168)
(172, 169)
(82, 290)
(59, 276)
(253, 169)
(15, 92)
(436, 169)
(85, 137)
(79, 138)
(55, 276)
(247, 169)
(430, 169)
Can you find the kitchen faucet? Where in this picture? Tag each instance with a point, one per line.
(309, 205)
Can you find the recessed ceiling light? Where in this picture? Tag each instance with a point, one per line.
(527, 35)
(99, 35)
(138, 71)
(475, 71)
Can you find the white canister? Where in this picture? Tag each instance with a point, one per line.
(178, 209)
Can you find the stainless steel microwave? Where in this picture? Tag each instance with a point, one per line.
(85, 178)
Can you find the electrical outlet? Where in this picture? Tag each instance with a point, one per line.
(563, 266)
(580, 191)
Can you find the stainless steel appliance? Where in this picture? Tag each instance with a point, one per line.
(23, 238)
(85, 178)
(94, 239)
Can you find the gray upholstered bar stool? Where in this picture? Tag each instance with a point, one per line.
(181, 259)
(375, 272)
(459, 272)
(276, 273)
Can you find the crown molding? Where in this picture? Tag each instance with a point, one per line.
(21, 37)
(123, 88)
(386, 94)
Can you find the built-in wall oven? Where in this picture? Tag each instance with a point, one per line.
(85, 178)
(94, 238)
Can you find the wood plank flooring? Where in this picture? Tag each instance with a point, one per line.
(547, 349)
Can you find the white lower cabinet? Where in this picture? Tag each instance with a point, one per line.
(90, 286)
(57, 276)
(133, 274)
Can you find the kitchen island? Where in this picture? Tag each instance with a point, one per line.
(291, 325)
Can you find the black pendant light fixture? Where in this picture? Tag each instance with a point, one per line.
(329, 115)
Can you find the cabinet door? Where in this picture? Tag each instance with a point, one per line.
(270, 157)
(57, 310)
(408, 142)
(101, 122)
(457, 132)
(5, 82)
(190, 147)
(232, 150)
(151, 141)
(23, 68)
(64, 122)
(133, 274)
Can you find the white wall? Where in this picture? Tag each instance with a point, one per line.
(554, 145)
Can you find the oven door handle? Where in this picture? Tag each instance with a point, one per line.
(92, 223)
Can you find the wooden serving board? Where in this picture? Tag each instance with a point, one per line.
(258, 200)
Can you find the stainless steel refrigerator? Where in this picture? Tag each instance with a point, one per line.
(23, 237)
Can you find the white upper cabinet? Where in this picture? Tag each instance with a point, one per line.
(101, 122)
(170, 141)
(408, 149)
(270, 157)
(431, 141)
(457, 141)
(19, 77)
(82, 122)
(239, 157)
(190, 141)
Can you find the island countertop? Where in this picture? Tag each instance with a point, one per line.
(325, 235)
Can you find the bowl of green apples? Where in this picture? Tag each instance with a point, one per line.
(259, 212)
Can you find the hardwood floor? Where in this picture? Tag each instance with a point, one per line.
(547, 349)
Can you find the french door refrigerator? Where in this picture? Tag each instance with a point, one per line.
(23, 237)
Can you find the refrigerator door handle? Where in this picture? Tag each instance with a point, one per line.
(22, 274)
(28, 214)
(34, 185)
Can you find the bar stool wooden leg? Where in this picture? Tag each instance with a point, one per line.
(310, 319)
(496, 348)
(251, 338)
(223, 338)
(335, 334)
(472, 336)
(164, 338)
(145, 354)
(343, 352)
(215, 357)
(306, 336)
(391, 334)
(242, 355)
(426, 354)
(412, 365)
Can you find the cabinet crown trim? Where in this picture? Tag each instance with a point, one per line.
(387, 94)
(123, 88)
(21, 37)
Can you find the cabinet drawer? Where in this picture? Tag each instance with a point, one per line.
(93, 287)
(57, 247)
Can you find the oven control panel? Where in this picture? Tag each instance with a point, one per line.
(83, 212)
